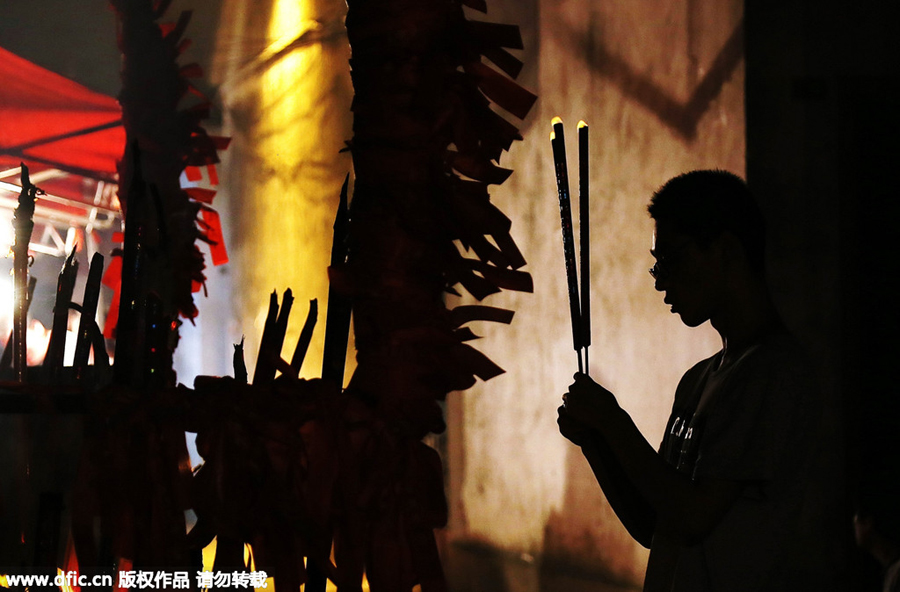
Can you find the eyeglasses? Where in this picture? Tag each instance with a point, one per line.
(662, 268)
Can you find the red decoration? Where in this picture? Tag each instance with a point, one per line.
(202, 195)
(214, 236)
(193, 173)
(112, 278)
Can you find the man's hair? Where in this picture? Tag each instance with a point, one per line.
(705, 204)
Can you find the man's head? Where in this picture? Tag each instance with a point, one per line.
(708, 227)
(705, 204)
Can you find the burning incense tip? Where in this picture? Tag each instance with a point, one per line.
(582, 124)
(556, 120)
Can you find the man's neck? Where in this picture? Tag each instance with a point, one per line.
(748, 317)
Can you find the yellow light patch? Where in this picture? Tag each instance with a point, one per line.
(291, 176)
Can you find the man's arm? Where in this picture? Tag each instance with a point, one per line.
(686, 510)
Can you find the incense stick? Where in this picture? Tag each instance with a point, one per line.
(23, 223)
(584, 228)
(557, 141)
(88, 315)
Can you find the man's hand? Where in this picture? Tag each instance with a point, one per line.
(587, 403)
(576, 432)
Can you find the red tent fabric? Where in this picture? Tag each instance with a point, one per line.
(48, 119)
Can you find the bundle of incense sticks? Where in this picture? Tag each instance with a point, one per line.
(579, 303)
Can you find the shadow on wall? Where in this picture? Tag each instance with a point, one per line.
(680, 116)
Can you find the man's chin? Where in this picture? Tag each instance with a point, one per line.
(691, 321)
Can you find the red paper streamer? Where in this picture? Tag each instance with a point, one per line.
(112, 278)
(213, 175)
(214, 234)
(200, 194)
(193, 173)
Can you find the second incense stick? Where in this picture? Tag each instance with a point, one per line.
(557, 140)
(584, 229)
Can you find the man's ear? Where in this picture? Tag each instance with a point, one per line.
(732, 249)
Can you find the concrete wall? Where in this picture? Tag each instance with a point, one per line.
(660, 84)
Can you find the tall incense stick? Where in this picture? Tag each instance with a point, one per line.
(557, 141)
(23, 223)
(584, 229)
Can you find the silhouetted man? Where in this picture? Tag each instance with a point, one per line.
(726, 503)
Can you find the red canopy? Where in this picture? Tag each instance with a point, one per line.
(50, 120)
